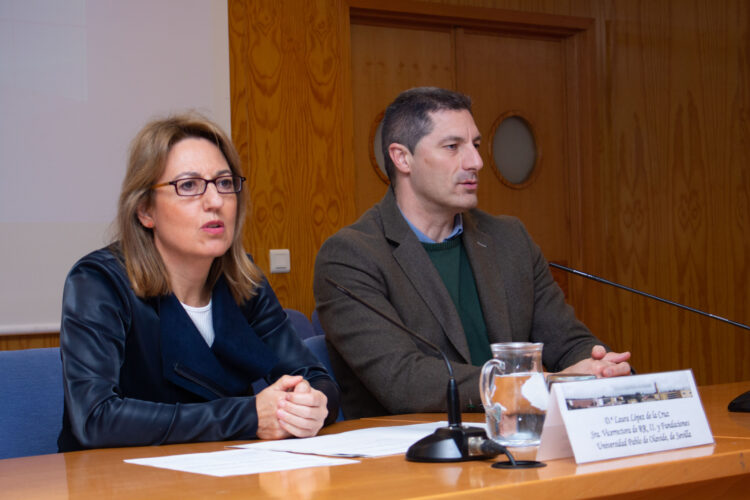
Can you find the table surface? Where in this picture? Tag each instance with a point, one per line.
(711, 471)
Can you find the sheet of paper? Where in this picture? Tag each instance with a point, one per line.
(372, 442)
(236, 462)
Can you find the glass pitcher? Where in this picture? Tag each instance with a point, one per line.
(514, 393)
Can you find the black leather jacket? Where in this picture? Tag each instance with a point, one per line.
(137, 372)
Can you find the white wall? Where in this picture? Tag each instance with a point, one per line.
(77, 81)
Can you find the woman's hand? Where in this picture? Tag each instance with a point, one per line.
(290, 407)
(303, 411)
(267, 404)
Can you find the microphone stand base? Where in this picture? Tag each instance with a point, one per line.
(447, 444)
(741, 403)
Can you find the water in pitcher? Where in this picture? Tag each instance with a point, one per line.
(516, 415)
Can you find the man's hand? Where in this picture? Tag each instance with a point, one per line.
(290, 407)
(602, 364)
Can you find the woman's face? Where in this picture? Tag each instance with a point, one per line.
(191, 230)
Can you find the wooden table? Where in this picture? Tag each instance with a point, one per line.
(713, 471)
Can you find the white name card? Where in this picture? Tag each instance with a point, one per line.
(623, 416)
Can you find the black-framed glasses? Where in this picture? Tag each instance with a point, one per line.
(196, 186)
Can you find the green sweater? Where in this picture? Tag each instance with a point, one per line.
(453, 265)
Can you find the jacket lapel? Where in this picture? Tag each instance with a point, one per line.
(416, 265)
(237, 358)
(483, 256)
(236, 343)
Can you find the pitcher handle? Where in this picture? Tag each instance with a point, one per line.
(487, 379)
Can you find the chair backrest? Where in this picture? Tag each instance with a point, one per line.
(317, 327)
(31, 401)
(317, 345)
(301, 323)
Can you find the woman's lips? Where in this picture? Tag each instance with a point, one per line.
(213, 227)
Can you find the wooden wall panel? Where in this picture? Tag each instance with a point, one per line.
(289, 106)
(674, 151)
(666, 198)
(15, 342)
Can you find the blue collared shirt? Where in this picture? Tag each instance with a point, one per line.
(458, 228)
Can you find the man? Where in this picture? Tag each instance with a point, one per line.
(459, 277)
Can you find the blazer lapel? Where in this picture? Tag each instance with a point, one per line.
(236, 342)
(416, 265)
(226, 369)
(488, 276)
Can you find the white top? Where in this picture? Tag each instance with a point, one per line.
(203, 321)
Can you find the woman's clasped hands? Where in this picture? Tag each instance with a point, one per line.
(290, 407)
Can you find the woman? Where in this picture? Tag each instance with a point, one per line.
(164, 331)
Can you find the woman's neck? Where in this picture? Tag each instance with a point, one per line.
(189, 282)
(192, 294)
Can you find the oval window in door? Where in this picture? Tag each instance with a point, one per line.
(514, 150)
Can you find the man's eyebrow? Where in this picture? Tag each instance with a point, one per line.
(458, 138)
(453, 138)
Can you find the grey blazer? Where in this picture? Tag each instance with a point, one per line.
(381, 369)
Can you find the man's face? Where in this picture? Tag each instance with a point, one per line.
(444, 167)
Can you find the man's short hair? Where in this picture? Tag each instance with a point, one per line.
(407, 118)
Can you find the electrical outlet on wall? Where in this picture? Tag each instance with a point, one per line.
(280, 260)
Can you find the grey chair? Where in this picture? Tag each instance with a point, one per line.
(31, 401)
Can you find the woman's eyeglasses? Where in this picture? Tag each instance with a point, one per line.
(196, 186)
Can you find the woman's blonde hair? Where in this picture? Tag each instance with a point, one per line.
(148, 157)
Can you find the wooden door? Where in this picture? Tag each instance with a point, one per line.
(505, 74)
(511, 76)
(385, 61)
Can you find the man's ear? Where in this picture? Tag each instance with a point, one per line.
(144, 215)
(400, 156)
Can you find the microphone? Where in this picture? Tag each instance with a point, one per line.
(457, 442)
(633, 290)
(739, 404)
